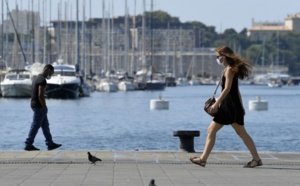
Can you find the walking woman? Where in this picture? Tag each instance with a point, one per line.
(229, 106)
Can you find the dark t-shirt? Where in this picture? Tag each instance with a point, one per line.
(38, 81)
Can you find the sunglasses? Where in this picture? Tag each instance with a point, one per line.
(218, 57)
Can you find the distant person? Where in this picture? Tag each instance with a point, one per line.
(40, 110)
(229, 106)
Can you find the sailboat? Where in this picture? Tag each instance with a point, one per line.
(155, 81)
(18, 82)
(108, 81)
(84, 88)
(3, 72)
(275, 82)
(150, 79)
(126, 81)
(181, 80)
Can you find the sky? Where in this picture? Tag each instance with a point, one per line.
(222, 14)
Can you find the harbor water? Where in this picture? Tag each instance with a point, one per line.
(124, 120)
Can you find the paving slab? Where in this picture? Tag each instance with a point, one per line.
(137, 168)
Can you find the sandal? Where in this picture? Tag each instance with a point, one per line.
(198, 161)
(253, 163)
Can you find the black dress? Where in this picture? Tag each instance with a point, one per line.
(231, 109)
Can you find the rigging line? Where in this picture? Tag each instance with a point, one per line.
(15, 29)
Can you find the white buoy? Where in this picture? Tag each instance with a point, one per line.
(159, 104)
(258, 104)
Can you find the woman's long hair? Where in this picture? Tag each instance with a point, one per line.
(241, 66)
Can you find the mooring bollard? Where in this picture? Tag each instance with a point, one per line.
(186, 139)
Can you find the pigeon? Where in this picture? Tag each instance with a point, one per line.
(152, 183)
(92, 158)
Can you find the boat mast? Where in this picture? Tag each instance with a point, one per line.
(38, 32)
(59, 30)
(16, 31)
(108, 40)
(134, 43)
(45, 28)
(112, 36)
(143, 35)
(50, 45)
(263, 54)
(151, 32)
(103, 37)
(126, 39)
(66, 27)
(83, 39)
(32, 27)
(168, 49)
(2, 35)
(277, 49)
(90, 39)
(180, 51)
(77, 59)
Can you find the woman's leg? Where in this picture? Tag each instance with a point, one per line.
(210, 139)
(241, 131)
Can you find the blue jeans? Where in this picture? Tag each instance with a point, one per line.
(40, 119)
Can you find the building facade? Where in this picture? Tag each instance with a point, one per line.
(265, 30)
(23, 20)
(107, 44)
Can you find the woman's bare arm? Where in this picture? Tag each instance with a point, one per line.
(229, 78)
(229, 74)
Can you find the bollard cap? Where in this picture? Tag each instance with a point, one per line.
(187, 133)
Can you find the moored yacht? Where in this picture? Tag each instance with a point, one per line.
(182, 81)
(149, 80)
(194, 81)
(17, 83)
(155, 84)
(125, 82)
(107, 85)
(64, 83)
(275, 82)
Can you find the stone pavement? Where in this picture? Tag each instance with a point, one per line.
(137, 168)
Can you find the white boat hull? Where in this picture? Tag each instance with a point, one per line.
(63, 87)
(274, 85)
(17, 83)
(194, 82)
(126, 86)
(182, 82)
(16, 89)
(108, 87)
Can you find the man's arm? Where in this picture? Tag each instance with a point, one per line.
(41, 95)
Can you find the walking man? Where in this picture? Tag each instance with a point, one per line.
(40, 110)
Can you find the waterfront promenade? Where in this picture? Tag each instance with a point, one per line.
(137, 168)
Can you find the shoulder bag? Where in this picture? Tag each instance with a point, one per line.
(211, 101)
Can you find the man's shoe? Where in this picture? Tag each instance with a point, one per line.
(53, 146)
(30, 148)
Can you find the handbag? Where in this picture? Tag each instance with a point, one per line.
(211, 101)
(208, 104)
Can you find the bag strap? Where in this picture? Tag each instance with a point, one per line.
(219, 83)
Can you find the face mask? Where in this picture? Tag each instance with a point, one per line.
(48, 77)
(219, 62)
